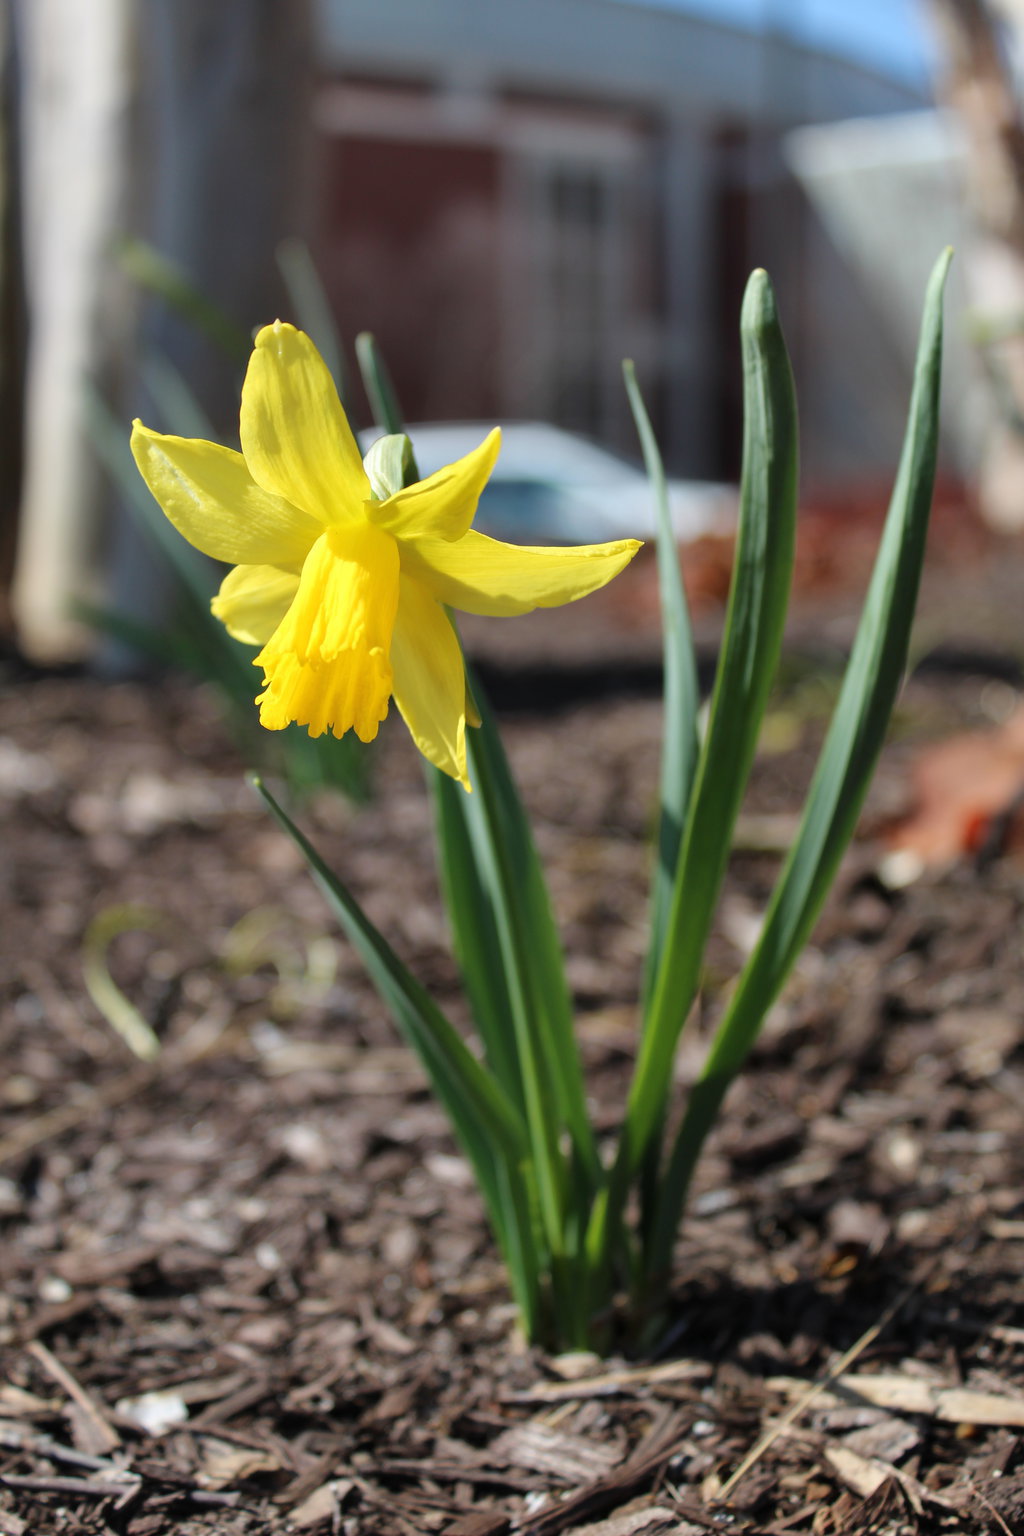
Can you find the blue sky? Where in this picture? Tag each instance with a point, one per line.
(890, 35)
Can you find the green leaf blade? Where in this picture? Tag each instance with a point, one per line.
(852, 746)
(486, 1124)
(680, 742)
(475, 934)
(158, 274)
(751, 644)
(312, 308)
(509, 864)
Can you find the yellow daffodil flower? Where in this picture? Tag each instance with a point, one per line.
(340, 576)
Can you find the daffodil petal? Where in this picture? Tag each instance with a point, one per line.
(430, 679)
(326, 664)
(444, 504)
(482, 575)
(295, 437)
(209, 495)
(252, 601)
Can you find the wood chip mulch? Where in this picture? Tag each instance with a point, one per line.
(248, 1288)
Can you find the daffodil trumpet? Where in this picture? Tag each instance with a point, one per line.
(342, 574)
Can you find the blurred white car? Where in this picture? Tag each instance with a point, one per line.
(551, 487)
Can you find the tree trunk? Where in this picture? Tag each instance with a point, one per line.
(12, 321)
(183, 123)
(975, 83)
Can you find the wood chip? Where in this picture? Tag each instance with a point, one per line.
(324, 1503)
(636, 1522)
(244, 1398)
(15, 1400)
(89, 1106)
(93, 1488)
(93, 1430)
(617, 1488)
(539, 1448)
(224, 1464)
(613, 1383)
(482, 1524)
(909, 1394)
(90, 1266)
(861, 1474)
(865, 1475)
(889, 1439)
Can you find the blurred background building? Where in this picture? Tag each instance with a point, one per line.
(513, 197)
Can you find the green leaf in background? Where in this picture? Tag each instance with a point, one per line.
(312, 308)
(176, 403)
(157, 274)
(191, 638)
(122, 1016)
(380, 391)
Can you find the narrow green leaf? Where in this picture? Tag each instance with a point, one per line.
(517, 1235)
(844, 770)
(192, 638)
(750, 648)
(496, 871)
(120, 1014)
(110, 443)
(475, 935)
(380, 390)
(312, 308)
(680, 743)
(511, 961)
(486, 1123)
(175, 400)
(384, 404)
(502, 837)
(158, 274)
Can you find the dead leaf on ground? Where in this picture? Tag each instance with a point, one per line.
(960, 786)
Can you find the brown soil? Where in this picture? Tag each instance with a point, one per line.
(272, 1230)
